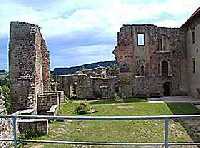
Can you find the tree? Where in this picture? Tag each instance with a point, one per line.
(5, 91)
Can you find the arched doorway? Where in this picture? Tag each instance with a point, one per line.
(165, 68)
(166, 88)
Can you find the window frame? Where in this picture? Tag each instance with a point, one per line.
(193, 37)
(141, 33)
(193, 66)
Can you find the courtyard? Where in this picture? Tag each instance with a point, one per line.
(122, 131)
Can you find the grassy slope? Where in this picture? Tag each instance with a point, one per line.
(121, 131)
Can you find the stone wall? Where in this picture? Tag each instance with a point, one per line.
(61, 96)
(28, 65)
(104, 87)
(46, 66)
(46, 101)
(5, 126)
(84, 86)
(64, 83)
(156, 63)
(193, 56)
(33, 127)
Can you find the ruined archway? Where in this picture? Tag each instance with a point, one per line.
(167, 89)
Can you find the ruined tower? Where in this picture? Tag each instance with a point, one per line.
(28, 65)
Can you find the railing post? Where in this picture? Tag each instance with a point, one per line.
(166, 133)
(14, 121)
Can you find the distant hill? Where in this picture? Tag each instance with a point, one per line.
(74, 69)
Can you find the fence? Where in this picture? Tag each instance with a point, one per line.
(165, 118)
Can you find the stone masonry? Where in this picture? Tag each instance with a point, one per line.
(159, 61)
(88, 84)
(5, 125)
(191, 30)
(149, 67)
(153, 61)
(29, 65)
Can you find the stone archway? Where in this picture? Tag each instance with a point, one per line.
(167, 89)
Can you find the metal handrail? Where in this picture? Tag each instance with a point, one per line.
(160, 117)
(166, 119)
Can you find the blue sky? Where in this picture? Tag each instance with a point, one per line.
(84, 31)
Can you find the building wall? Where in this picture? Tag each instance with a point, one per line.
(21, 48)
(85, 87)
(64, 83)
(28, 65)
(46, 101)
(46, 66)
(142, 65)
(38, 63)
(193, 53)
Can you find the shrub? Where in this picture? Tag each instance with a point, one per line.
(5, 91)
(83, 108)
(118, 98)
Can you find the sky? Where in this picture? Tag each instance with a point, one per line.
(84, 31)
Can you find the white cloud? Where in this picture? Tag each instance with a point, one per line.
(86, 54)
(69, 17)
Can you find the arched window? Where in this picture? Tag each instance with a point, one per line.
(165, 68)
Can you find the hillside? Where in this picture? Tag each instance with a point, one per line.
(71, 70)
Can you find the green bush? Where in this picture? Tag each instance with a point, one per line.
(83, 108)
(118, 98)
(5, 91)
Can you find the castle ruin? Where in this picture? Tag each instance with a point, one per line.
(159, 61)
(29, 67)
(153, 61)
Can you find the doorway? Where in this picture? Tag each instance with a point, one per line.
(166, 88)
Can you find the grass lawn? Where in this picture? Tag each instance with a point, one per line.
(120, 131)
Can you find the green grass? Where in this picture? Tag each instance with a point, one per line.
(120, 131)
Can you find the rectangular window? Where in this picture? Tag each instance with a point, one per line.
(193, 37)
(140, 39)
(193, 65)
(160, 44)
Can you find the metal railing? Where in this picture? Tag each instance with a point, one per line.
(165, 118)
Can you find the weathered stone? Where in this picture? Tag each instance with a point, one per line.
(88, 84)
(142, 65)
(26, 53)
(5, 126)
(29, 68)
(166, 63)
(33, 127)
(46, 101)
